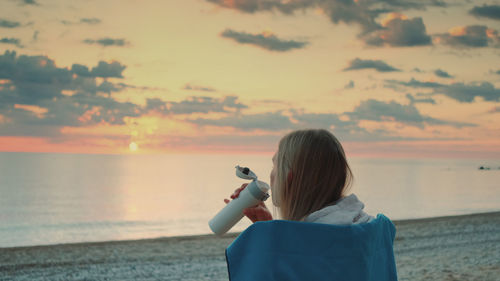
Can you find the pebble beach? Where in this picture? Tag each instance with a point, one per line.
(446, 248)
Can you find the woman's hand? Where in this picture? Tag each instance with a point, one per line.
(256, 213)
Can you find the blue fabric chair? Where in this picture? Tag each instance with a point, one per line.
(290, 250)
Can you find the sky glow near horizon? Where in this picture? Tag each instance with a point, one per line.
(388, 78)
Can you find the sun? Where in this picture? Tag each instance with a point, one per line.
(133, 146)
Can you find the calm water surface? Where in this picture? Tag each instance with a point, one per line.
(61, 198)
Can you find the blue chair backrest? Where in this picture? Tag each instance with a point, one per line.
(290, 250)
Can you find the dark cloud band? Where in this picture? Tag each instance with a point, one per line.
(90, 20)
(486, 11)
(414, 100)
(190, 87)
(12, 41)
(472, 36)
(350, 129)
(106, 42)
(392, 111)
(378, 65)
(442, 73)
(400, 32)
(461, 92)
(266, 41)
(9, 24)
(30, 2)
(194, 105)
(362, 13)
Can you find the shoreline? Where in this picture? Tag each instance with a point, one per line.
(463, 247)
(440, 218)
(235, 234)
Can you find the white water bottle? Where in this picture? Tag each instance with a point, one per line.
(254, 193)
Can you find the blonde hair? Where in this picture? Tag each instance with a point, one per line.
(312, 172)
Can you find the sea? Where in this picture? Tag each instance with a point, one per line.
(48, 198)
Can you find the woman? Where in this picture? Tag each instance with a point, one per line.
(324, 234)
(308, 182)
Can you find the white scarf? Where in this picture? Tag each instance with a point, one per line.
(346, 211)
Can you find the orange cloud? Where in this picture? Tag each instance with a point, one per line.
(392, 16)
(491, 33)
(229, 3)
(37, 110)
(87, 116)
(267, 33)
(68, 93)
(458, 31)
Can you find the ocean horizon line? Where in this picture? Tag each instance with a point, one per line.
(491, 157)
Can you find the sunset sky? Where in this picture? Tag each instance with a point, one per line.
(389, 78)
